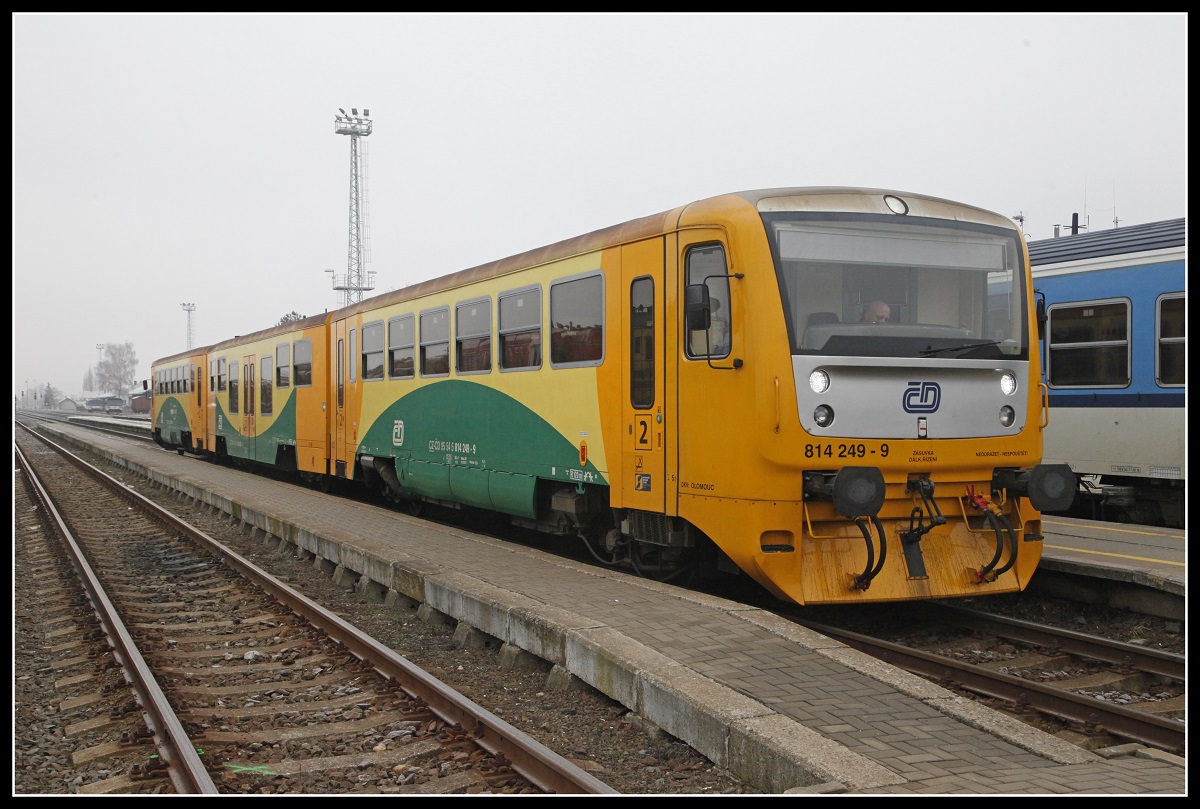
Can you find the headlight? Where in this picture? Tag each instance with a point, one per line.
(1008, 384)
(823, 415)
(1007, 416)
(818, 381)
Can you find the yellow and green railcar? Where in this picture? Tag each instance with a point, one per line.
(701, 389)
(835, 391)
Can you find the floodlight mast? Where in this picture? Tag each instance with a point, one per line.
(356, 280)
(189, 308)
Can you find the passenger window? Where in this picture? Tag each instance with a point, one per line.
(372, 351)
(265, 399)
(1089, 345)
(577, 321)
(520, 329)
(435, 342)
(401, 332)
(1172, 342)
(302, 362)
(233, 387)
(283, 366)
(221, 377)
(473, 336)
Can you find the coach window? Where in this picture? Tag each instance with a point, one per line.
(641, 343)
(1172, 341)
(520, 329)
(198, 383)
(706, 265)
(473, 336)
(233, 387)
(302, 363)
(283, 365)
(1089, 345)
(401, 331)
(435, 342)
(577, 321)
(221, 377)
(372, 351)
(265, 403)
(353, 355)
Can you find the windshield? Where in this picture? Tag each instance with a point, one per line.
(890, 287)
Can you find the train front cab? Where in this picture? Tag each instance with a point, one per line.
(179, 401)
(882, 461)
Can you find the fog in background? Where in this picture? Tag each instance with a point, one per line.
(164, 159)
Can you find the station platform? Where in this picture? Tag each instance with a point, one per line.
(783, 708)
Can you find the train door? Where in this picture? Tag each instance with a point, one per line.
(643, 480)
(200, 440)
(346, 397)
(248, 400)
(339, 397)
(711, 392)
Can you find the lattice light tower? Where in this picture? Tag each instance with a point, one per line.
(189, 308)
(357, 279)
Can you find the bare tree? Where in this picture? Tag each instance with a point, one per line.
(290, 317)
(89, 380)
(115, 372)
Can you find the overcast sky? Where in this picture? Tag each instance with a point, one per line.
(159, 160)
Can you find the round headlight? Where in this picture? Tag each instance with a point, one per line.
(818, 381)
(1008, 384)
(1007, 416)
(823, 415)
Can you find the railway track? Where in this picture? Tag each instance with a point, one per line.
(1096, 688)
(1090, 733)
(217, 677)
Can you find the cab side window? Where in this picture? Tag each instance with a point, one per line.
(706, 265)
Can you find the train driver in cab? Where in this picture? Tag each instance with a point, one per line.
(877, 312)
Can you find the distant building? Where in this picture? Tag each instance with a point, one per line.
(69, 405)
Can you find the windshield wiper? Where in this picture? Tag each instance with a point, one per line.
(931, 351)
